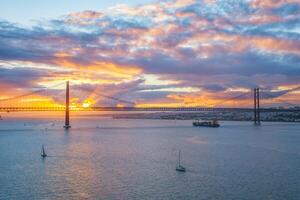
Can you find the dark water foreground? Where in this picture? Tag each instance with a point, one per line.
(102, 158)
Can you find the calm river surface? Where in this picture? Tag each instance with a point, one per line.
(112, 159)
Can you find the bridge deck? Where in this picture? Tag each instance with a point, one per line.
(146, 109)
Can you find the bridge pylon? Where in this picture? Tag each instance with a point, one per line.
(67, 111)
(256, 107)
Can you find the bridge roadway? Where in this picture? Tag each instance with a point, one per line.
(184, 109)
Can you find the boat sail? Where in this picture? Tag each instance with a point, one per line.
(179, 167)
(43, 154)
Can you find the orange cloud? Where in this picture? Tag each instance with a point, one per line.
(34, 100)
(276, 45)
(196, 100)
(91, 70)
(209, 100)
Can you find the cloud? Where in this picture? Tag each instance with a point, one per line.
(211, 46)
(83, 18)
(214, 87)
(20, 77)
(270, 4)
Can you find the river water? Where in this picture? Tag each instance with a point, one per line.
(112, 159)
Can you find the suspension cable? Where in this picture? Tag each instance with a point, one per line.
(31, 93)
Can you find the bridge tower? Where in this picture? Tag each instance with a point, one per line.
(256, 107)
(67, 114)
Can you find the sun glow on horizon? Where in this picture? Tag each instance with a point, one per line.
(87, 103)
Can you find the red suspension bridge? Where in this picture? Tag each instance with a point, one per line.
(46, 99)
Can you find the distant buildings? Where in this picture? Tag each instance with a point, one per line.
(292, 116)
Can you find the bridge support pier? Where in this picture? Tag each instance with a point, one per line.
(256, 107)
(67, 113)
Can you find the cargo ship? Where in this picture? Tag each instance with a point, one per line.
(211, 123)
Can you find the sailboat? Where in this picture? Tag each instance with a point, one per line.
(43, 154)
(180, 168)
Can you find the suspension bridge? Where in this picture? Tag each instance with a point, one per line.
(55, 98)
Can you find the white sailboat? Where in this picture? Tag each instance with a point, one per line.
(179, 167)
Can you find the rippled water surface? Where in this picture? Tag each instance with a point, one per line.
(104, 158)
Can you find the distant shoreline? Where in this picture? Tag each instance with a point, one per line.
(222, 116)
(166, 115)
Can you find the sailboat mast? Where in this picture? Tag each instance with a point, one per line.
(179, 158)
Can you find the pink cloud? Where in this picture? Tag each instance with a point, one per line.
(83, 18)
(269, 4)
(261, 19)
